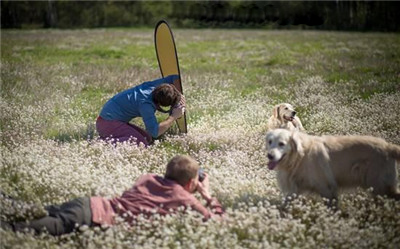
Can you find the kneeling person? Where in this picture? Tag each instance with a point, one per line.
(141, 101)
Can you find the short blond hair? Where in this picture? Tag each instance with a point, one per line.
(182, 169)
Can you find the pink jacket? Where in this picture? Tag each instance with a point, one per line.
(150, 194)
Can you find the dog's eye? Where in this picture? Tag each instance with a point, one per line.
(286, 108)
(281, 144)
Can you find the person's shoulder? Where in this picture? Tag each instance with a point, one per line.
(145, 178)
(147, 104)
(166, 182)
(148, 176)
(170, 78)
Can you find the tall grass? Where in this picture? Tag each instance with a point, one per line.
(54, 83)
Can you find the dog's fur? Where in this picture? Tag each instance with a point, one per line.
(284, 116)
(322, 165)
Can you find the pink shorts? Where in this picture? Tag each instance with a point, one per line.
(120, 131)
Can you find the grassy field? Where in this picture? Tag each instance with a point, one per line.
(54, 83)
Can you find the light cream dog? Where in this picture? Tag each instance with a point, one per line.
(284, 116)
(322, 165)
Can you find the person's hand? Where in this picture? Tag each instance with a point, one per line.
(177, 112)
(179, 109)
(182, 102)
(204, 188)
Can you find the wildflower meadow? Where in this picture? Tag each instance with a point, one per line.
(54, 83)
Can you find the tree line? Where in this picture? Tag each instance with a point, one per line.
(327, 15)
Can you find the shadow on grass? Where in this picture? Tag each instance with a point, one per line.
(250, 198)
(66, 137)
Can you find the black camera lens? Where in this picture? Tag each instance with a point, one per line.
(201, 174)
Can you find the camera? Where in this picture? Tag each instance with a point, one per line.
(202, 175)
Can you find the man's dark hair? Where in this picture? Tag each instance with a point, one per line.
(166, 95)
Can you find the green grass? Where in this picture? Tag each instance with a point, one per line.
(55, 82)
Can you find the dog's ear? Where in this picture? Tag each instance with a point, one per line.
(297, 143)
(276, 111)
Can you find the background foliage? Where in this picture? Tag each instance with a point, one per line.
(327, 15)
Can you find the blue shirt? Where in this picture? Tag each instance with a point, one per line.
(136, 102)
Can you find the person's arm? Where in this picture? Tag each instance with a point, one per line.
(164, 125)
(204, 190)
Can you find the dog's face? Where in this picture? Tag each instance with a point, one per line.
(278, 145)
(284, 112)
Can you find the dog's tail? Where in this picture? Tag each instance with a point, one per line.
(394, 151)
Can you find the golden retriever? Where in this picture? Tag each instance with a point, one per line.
(322, 165)
(284, 116)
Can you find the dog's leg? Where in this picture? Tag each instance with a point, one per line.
(300, 125)
(384, 182)
(329, 193)
(288, 188)
(324, 182)
(395, 195)
(297, 124)
(331, 201)
(288, 199)
(388, 190)
(326, 186)
(332, 204)
(393, 192)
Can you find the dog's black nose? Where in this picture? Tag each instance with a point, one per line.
(270, 157)
(293, 113)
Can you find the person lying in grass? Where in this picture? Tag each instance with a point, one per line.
(141, 101)
(150, 194)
